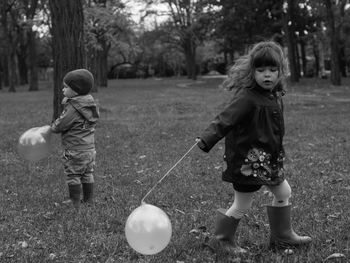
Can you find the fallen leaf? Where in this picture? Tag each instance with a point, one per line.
(194, 231)
(110, 260)
(177, 210)
(23, 244)
(288, 251)
(336, 180)
(49, 216)
(334, 216)
(335, 255)
(138, 181)
(236, 260)
(203, 228)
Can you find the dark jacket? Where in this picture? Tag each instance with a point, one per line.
(77, 123)
(253, 127)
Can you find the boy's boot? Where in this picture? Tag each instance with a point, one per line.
(224, 235)
(88, 190)
(282, 234)
(74, 194)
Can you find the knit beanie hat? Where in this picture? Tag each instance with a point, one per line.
(79, 80)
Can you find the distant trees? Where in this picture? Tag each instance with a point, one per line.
(22, 20)
(30, 8)
(9, 15)
(186, 28)
(104, 25)
(18, 51)
(240, 23)
(330, 36)
(303, 27)
(193, 37)
(335, 20)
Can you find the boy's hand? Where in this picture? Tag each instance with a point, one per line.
(45, 130)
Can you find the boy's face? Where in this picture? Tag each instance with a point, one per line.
(68, 92)
(266, 77)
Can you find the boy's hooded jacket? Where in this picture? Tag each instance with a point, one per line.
(77, 123)
(253, 127)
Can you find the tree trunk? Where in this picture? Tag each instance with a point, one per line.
(342, 53)
(12, 62)
(189, 48)
(33, 69)
(3, 55)
(12, 70)
(334, 38)
(104, 69)
(290, 39)
(10, 38)
(93, 62)
(297, 59)
(67, 44)
(98, 71)
(31, 7)
(22, 57)
(22, 67)
(321, 59)
(6, 71)
(342, 60)
(1, 72)
(303, 57)
(104, 65)
(316, 55)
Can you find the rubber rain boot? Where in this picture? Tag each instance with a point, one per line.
(224, 235)
(74, 195)
(88, 191)
(282, 234)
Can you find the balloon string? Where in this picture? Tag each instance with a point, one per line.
(166, 174)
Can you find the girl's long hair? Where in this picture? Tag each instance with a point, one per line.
(267, 53)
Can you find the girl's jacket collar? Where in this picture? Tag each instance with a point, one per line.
(276, 92)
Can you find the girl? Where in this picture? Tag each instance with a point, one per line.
(253, 128)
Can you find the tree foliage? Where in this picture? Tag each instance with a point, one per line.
(105, 25)
(186, 28)
(192, 37)
(241, 23)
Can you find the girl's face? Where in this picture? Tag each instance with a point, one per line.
(266, 77)
(68, 92)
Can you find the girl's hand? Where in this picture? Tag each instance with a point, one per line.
(200, 143)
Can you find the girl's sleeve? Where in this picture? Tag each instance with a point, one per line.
(237, 111)
(65, 121)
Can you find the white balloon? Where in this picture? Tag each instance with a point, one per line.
(34, 144)
(148, 229)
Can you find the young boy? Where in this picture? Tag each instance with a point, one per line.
(77, 127)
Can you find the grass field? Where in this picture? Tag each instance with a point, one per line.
(145, 127)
